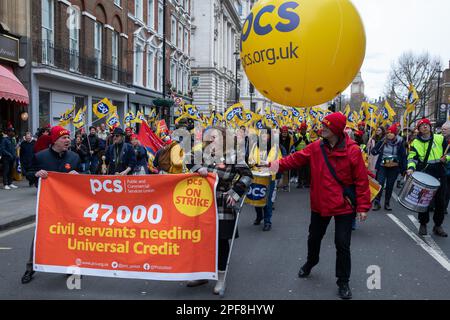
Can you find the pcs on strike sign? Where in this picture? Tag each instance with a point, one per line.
(161, 227)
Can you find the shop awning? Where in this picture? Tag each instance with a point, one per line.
(11, 88)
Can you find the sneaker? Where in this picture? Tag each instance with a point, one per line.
(267, 227)
(439, 231)
(257, 222)
(7, 188)
(27, 277)
(423, 230)
(376, 206)
(304, 271)
(344, 292)
(220, 285)
(13, 186)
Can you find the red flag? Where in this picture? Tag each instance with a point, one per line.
(149, 139)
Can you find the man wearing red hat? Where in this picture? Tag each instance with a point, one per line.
(427, 155)
(339, 189)
(56, 158)
(391, 162)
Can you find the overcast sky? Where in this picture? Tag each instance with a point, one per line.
(395, 26)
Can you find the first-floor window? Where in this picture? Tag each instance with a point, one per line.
(150, 69)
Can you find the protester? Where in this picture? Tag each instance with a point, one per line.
(431, 162)
(8, 158)
(26, 153)
(57, 158)
(446, 134)
(128, 134)
(141, 156)
(43, 140)
(262, 154)
(92, 143)
(390, 164)
(120, 156)
(234, 180)
(301, 141)
(379, 136)
(327, 194)
(287, 147)
(79, 148)
(170, 158)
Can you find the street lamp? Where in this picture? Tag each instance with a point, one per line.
(438, 97)
(236, 54)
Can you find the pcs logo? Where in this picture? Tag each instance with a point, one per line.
(257, 192)
(254, 21)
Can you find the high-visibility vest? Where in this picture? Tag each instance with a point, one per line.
(419, 149)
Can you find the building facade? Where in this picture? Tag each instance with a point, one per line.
(216, 73)
(147, 59)
(79, 56)
(15, 65)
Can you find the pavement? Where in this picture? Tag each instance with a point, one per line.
(17, 206)
(389, 261)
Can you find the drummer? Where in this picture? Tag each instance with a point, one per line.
(262, 153)
(391, 162)
(430, 159)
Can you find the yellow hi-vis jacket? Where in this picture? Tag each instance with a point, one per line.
(257, 157)
(419, 149)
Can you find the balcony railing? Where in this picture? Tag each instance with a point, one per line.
(45, 52)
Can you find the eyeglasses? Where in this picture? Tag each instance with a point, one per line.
(117, 135)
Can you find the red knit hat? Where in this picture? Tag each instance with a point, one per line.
(393, 129)
(359, 133)
(57, 132)
(424, 121)
(336, 122)
(284, 129)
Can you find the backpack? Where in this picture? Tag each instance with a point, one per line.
(164, 162)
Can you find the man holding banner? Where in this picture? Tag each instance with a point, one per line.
(120, 156)
(57, 158)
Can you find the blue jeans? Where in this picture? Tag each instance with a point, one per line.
(268, 208)
(93, 164)
(388, 175)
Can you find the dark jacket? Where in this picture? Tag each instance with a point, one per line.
(141, 158)
(119, 157)
(401, 154)
(8, 148)
(82, 151)
(49, 160)
(92, 143)
(26, 153)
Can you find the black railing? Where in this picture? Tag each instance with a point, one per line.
(45, 52)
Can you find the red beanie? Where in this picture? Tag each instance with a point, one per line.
(424, 121)
(57, 132)
(134, 136)
(393, 129)
(336, 122)
(284, 129)
(359, 133)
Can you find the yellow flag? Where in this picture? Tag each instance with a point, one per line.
(78, 121)
(67, 116)
(413, 98)
(113, 121)
(103, 108)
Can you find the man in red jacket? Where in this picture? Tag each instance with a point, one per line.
(327, 194)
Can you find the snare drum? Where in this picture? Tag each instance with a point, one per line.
(259, 189)
(418, 192)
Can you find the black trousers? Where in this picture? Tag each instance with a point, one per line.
(304, 176)
(8, 166)
(342, 240)
(440, 205)
(224, 251)
(30, 257)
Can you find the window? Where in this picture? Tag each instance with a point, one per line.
(173, 74)
(138, 10)
(44, 108)
(47, 31)
(180, 37)
(185, 81)
(150, 69)
(151, 14)
(138, 60)
(160, 18)
(180, 79)
(115, 56)
(160, 72)
(74, 39)
(98, 28)
(173, 31)
(185, 42)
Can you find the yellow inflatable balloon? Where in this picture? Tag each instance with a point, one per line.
(302, 52)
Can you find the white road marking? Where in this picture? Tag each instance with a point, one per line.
(10, 232)
(432, 252)
(5, 248)
(429, 239)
